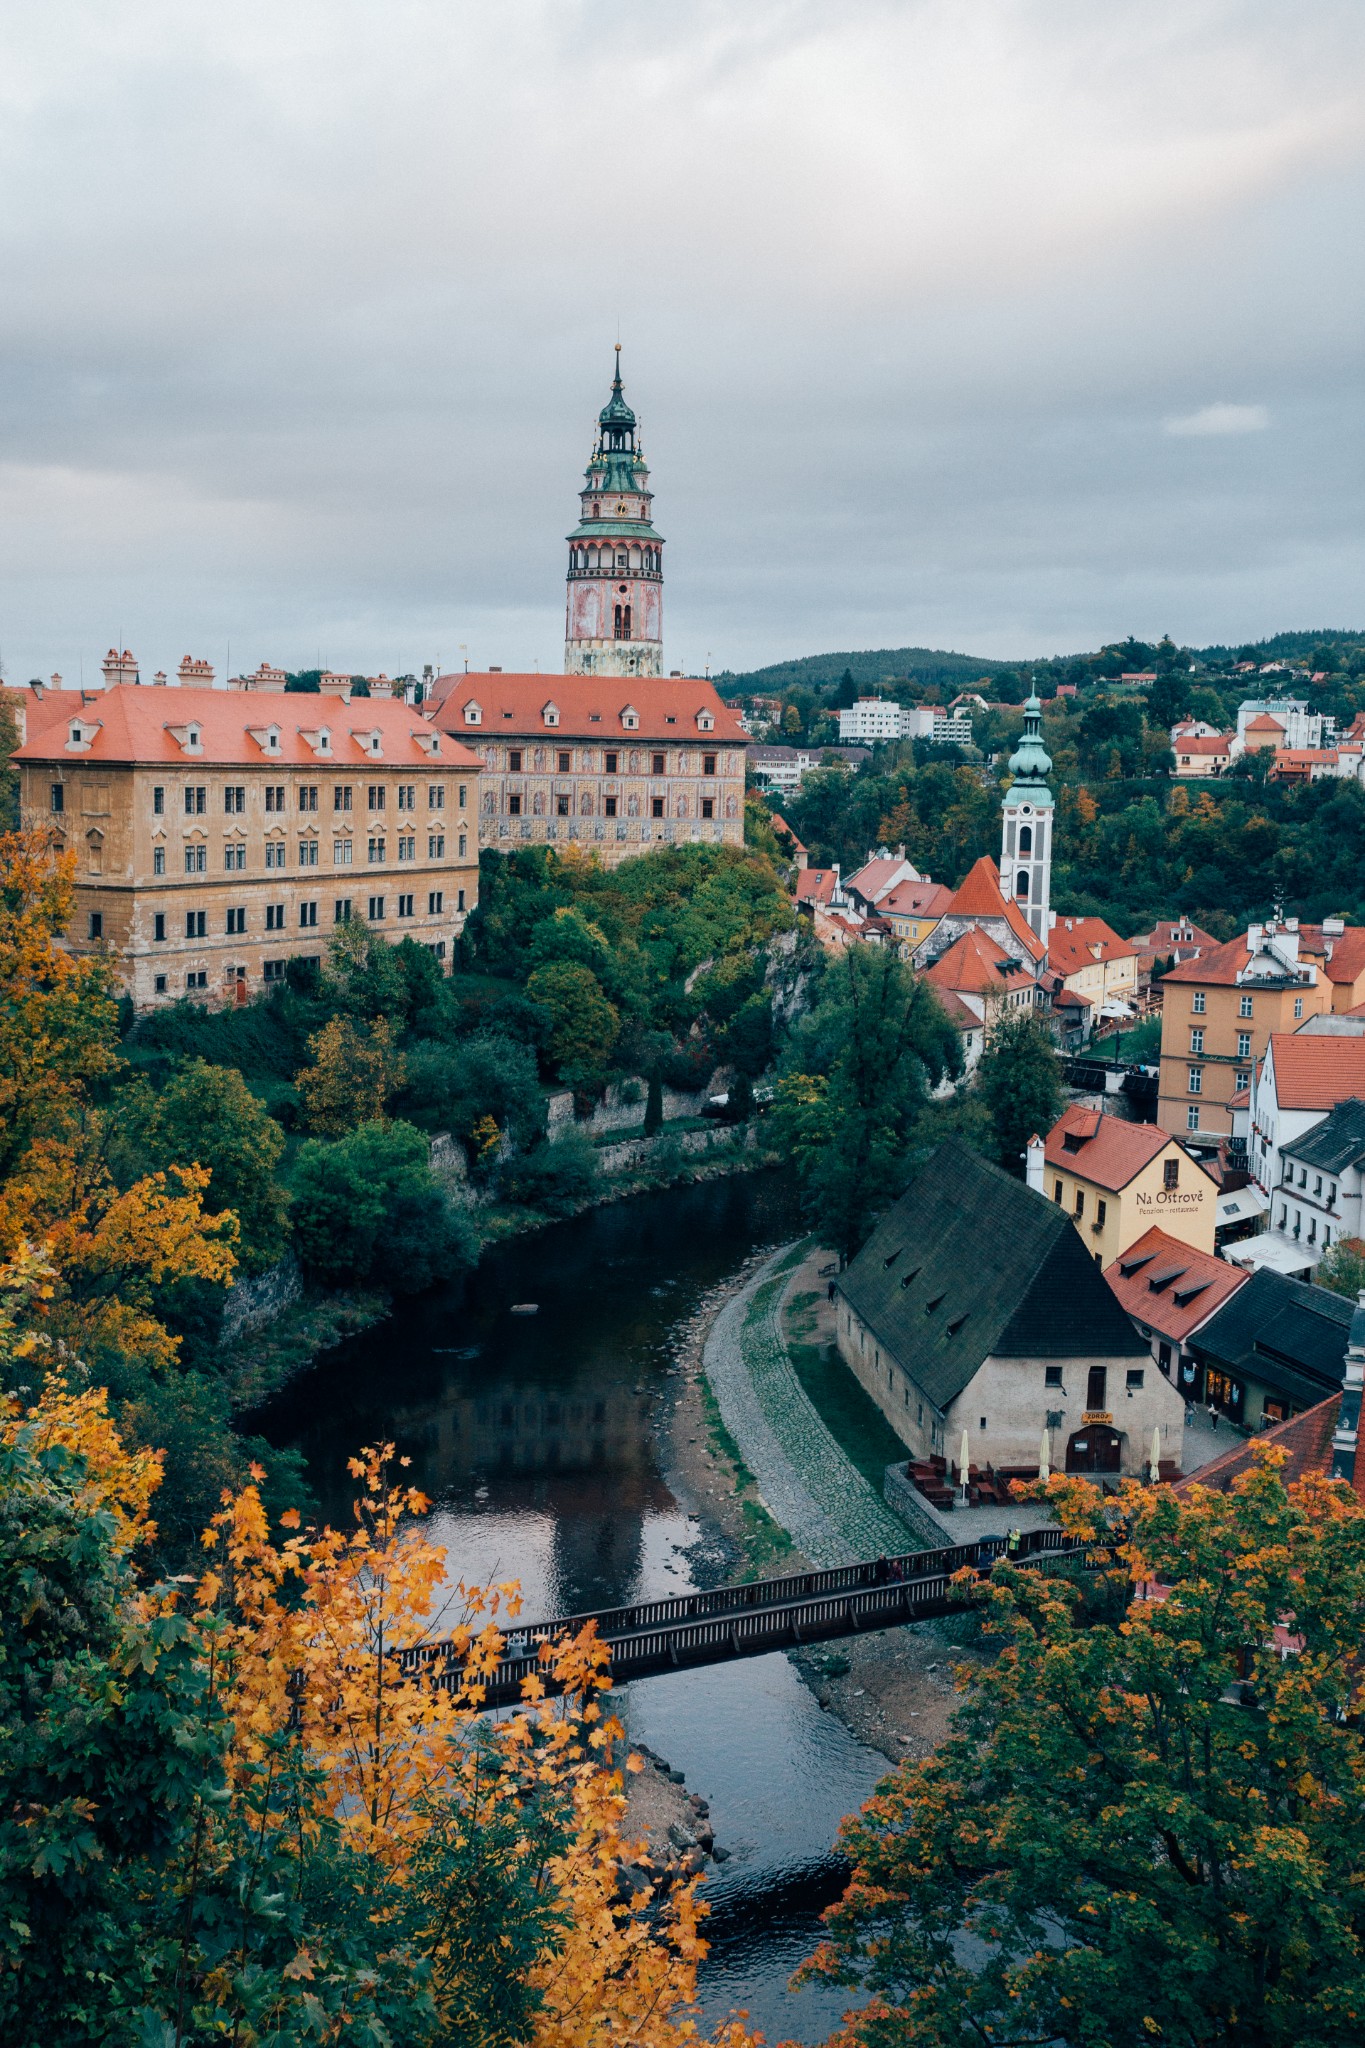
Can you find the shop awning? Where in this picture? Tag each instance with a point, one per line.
(1241, 1204)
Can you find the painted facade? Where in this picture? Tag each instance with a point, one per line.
(614, 610)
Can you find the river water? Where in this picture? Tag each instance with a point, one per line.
(537, 1439)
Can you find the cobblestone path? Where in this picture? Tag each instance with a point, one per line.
(810, 1486)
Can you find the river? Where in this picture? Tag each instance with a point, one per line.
(538, 1440)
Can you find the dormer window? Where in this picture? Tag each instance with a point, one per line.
(429, 742)
(630, 718)
(267, 738)
(319, 739)
(551, 714)
(705, 721)
(189, 738)
(473, 713)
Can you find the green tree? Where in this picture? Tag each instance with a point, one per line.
(1342, 1268)
(583, 1024)
(356, 1070)
(485, 1075)
(555, 1175)
(1145, 1826)
(857, 1076)
(1020, 1082)
(367, 1208)
(207, 1116)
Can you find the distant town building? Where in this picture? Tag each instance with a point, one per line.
(1168, 943)
(1202, 754)
(874, 720)
(1170, 1290)
(1115, 1180)
(1094, 962)
(1276, 1347)
(1280, 722)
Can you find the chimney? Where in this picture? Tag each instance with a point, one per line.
(1033, 1168)
(159, 679)
(1334, 927)
(56, 679)
(380, 686)
(195, 673)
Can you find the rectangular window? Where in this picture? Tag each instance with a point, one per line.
(196, 922)
(463, 790)
(656, 764)
(234, 799)
(159, 985)
(436, 902)
(236, 921)
(159, 925)
(96, 930)
(308, 853)
(197, 978)
(234, 858)
(341, 910)
(1244, 1045)
(436, 846)
(562, 806)
(1298, 1006)
(341, 853)
(514, 806)
(609, 763)
(1192, 1117)
(407, 796)
(1078, 1206)
(274, 796)
(196, 860)
(708, 807)
(1057, 1192)
(460, 902)
(274, 853)
(436, 796)
(1052, 1375)
(1170, 1173)
(308, 796)
(57, 800)
(1244, 1007)
(405, 906)
(609, 806)
(464, 846)
(1101, 1211)
(708, 764)
(272, 970)
(274, 917)
(656, 807)
(407, 847)
(341, 797)
(1197, 1039)
(376, 910)
(308, 916)
(1096, 1387)
(1241, 1079)
(1196, 1080)
(514, 760)
(563, 764)
(158, 803)
(1136, 1378)
(374, 796)
(377, 851)
(158, 860)
(196, 799)
(1198, 1002)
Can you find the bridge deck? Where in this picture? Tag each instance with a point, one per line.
(690, 1629)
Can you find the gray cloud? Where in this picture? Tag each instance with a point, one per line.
(308, 312)
(1219, 418)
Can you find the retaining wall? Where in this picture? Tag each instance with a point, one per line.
(251, 1303)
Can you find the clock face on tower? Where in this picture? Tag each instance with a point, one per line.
(613, 621)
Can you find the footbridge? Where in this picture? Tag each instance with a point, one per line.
(691, 1629)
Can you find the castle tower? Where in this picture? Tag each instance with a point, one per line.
(1026, 841)
(614, 615)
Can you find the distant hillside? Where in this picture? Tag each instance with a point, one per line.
(869, 668)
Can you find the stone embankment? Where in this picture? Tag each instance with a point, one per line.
(673, 1823)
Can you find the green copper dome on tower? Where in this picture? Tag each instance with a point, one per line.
(1030, 764)
(616, 413)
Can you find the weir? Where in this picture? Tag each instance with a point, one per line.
(750, 1620)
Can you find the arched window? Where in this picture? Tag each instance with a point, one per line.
(1026, 839)
(1021, 886)
(617, 634)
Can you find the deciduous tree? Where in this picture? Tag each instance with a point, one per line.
(356, 1071)
(1019, 1080)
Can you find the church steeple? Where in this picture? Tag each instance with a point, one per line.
(1026, 837)
(614, 613)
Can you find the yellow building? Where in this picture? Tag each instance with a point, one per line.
(1094, 962)
(217, 834)
(913, 910)
(1116, 1179)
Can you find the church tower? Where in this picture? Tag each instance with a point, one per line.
(614, 615)
(1026, 842)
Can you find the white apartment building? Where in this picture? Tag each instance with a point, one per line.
(1302, 728)
(874, 718)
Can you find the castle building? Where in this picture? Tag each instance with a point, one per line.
(614, 611)
(1026, 840)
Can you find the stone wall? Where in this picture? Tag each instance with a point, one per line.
(633, 1153)
(252, 1303)
(904, 1501)
(622, 1108)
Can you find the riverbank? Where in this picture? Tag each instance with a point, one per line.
(894, 1690)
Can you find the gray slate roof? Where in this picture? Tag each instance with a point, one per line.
(1281, 1333)
(970, 1265)
(1334, 1144)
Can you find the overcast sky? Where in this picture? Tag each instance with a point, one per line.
(1005, 327)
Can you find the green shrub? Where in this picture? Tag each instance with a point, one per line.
(554, 1176)
(366, 1208)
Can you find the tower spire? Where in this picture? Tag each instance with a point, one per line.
(614, 622)
(1026, 831)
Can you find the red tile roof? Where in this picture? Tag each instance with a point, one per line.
(1203, 743)
(975, 962)
(1104, 1149)
(1170, 1287)
(957, 1012)
(590, 708)
(1307, 1438)
(1072, 941)
(877, 875)
(980, 895)
(815, 885)
(916, 899)
(1263, 722)
(136, 724)
(1316, 1070)
(779, 824)
(1168, 937)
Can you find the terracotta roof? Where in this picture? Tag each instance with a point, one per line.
(957, 1012)
(779, 824)
(129, 723)
(1316, 1071)
(1348, 951)
(1263, 722)
(1071, 941)
(1203, 743)
(1162, 938)
(878, 875)
(975, 962)
(815, 885)
(1307, 1438)
(1168, 1286)
(1241, 1099)
(590, 708)
(916, 899)
(1223, 964)
(1105, 1149)
(979, 895)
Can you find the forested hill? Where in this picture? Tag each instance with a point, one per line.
(869, 667)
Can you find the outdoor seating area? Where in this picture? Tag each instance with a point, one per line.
(987, 1485)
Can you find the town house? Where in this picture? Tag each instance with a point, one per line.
(1116, 1179)
(218, 835)
(1171, 1290)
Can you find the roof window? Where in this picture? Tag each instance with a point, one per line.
(630, 718)
(913, 1274)
(473, 714)
(894, 1256)
(954, 1326)
(550, 714)
(936, 1301)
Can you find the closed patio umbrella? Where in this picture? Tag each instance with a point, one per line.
(1156, 1454)
(963, 1463)
(1044, 1463)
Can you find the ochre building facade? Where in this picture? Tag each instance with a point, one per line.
(218, 835)
(613, 764)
